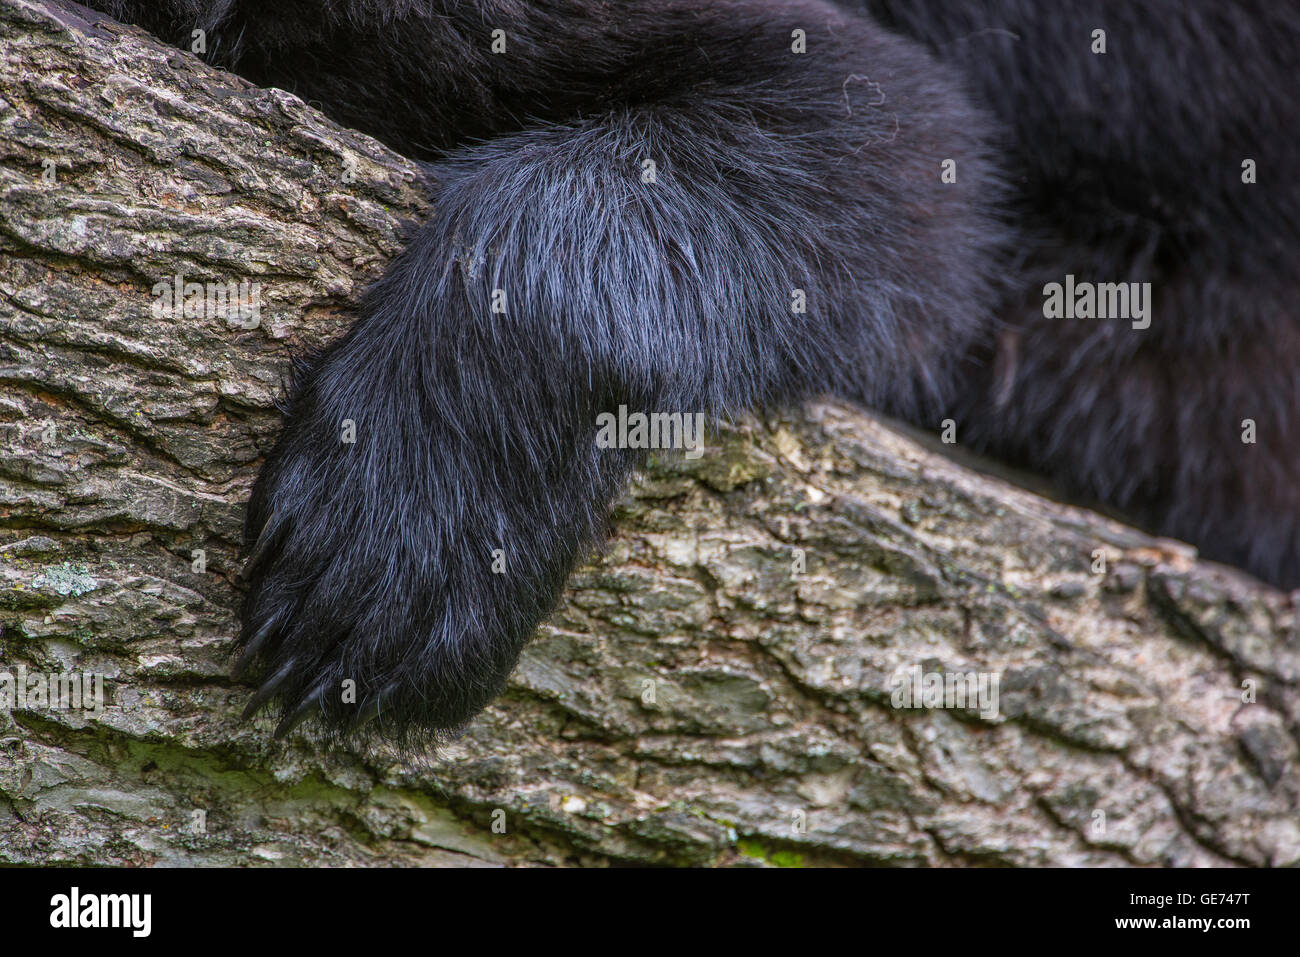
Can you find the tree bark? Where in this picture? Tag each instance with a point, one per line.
(716, 688)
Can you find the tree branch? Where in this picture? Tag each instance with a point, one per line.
(717, 687)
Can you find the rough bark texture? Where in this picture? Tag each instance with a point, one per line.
(697, 699)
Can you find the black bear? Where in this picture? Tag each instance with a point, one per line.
(1072, 228)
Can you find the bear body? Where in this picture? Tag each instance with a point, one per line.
(708, 207)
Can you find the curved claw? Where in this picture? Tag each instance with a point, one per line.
(253, 646)
(267, 691)
(368, 711)
(300, 713)
(260, 547)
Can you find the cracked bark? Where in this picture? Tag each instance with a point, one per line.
(696, 699)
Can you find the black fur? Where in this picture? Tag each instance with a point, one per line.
(1129, 167)
(776, 171)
